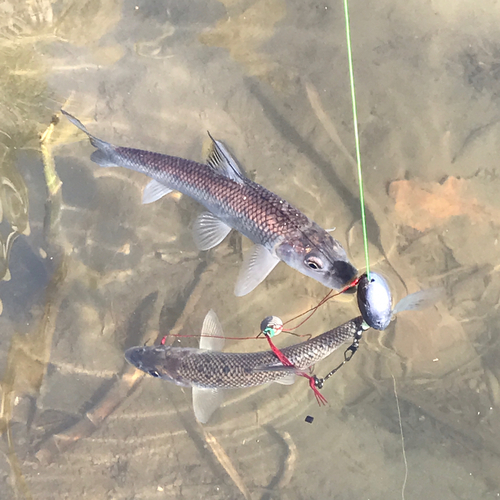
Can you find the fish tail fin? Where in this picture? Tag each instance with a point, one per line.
(104, 156)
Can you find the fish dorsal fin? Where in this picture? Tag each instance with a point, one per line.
(153, 191)
(209, 231)
(418, 300)
(257, 264)
(205, 402)
(221, 160)
(212, 336)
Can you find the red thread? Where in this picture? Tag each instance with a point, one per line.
(286, 362)
(326, 298)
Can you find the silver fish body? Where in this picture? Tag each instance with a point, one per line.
(190, 367)
(279, 230)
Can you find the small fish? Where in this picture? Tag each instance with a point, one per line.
(278, 230)
(208, 370)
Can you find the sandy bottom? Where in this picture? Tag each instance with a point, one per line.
(91, 271)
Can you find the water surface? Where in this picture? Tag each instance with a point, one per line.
(88, 271)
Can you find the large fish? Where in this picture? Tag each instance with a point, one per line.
(208, 370)
(279, 230)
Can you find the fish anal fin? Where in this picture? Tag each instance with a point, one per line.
(288, 379)
(153, 191)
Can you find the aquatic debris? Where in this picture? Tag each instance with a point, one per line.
(226, 462)
(424, 205)
(243, 32)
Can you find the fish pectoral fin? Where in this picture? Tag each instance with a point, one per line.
(153, 191)
(205, 402)
(223, 162)
(257, 264)
(212, 336)
(209, 231)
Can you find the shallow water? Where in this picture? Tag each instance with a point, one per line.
(92, 271)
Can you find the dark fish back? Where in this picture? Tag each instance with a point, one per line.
(256, 212)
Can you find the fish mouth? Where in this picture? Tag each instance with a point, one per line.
(134, 356)
(342, 274)
(158, 361)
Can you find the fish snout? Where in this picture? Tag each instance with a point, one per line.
(342, 273)
(156, 360)
(134, 356)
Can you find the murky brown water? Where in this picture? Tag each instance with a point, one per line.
(92, 271)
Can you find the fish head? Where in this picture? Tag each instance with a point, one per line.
(160, 361)
(316, 254)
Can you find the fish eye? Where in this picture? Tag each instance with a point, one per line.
(154, 373)
(314, 263)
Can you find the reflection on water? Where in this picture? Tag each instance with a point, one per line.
(13, 212)
(92, 271)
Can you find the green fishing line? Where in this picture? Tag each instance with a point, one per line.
(356, 137)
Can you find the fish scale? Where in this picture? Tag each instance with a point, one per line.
(191, 367)
(258, 213)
